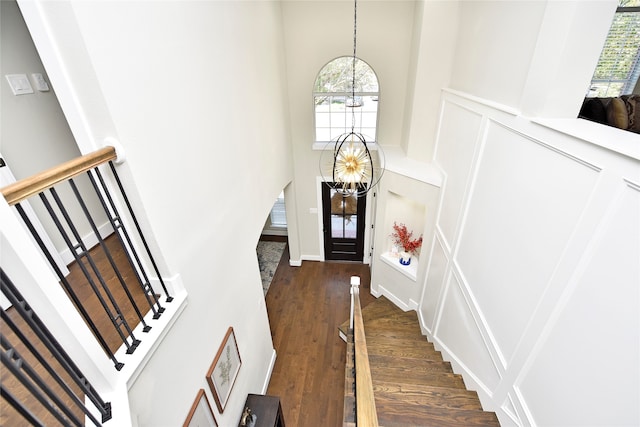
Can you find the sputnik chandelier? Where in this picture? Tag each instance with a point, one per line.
(352, 169)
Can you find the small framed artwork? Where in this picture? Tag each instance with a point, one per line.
(200, 414)
(224, 370)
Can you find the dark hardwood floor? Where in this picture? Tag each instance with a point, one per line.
(306, 305)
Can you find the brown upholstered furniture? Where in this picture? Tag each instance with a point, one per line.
(622, 112)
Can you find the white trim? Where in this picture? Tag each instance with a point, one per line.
(476, 99)
(295, 263)
(611, 138)
(318, 213)
(408, 270)
(45, 42)
(272, 364)
(394, 299)
(135, 363)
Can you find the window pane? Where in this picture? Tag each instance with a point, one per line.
(341, 109)
(323, 134)
(618, 66)
(322, 119)
(337, 226)
(337, 76)
(350, 228)
(343, 205)
(278, 215)
(343, 227)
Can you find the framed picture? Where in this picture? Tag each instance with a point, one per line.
(200, 414)
(224, 370)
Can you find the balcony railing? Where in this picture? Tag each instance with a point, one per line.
(85, 208)
(45, 385)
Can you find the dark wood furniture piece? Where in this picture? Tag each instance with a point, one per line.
(267, 409)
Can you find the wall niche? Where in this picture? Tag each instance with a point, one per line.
(412, 202)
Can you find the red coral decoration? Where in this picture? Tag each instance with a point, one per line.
(402, 237)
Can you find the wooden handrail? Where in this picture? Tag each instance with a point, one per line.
(25, 188)
(366, 414)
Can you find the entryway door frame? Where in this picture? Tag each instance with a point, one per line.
(369, 227)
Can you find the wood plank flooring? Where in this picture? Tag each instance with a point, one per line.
(306, 305)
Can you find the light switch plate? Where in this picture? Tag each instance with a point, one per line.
(39, 82)
(19, 84)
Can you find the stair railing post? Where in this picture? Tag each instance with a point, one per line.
(355, 289)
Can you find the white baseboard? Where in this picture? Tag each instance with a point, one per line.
(391, 297)
(265, 386)
(295, 263)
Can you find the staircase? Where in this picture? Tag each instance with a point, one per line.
(412, 384)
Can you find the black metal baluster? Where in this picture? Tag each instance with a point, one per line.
(33, 382)
(18, 406)
(135, 221)
(117, 320)
(107, 253)
(46, 337)
(123, 234)
(67, 286)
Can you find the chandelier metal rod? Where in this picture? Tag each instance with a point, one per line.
(353, 65)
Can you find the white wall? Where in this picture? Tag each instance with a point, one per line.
(537, 56)
(34, 134)
(532, 289)
(32, 123)
(315, 33)
(532, 286)
(197, 102)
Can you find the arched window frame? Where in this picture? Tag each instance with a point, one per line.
(331, 123)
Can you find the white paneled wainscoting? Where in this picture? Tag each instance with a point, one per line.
(532, 282)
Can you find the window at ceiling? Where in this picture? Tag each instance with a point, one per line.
(338, 106)
(619, 65)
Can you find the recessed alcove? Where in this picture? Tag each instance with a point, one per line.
(402, 210)
(411, 201)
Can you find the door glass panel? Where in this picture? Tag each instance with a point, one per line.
(341, 205)
(350, 227)
(344, 210)
(337, 226)
(344, 226)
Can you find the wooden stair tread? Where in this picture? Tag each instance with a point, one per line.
(398, 334)
(427, 395)
(382, 340)
(402, 415)
(437, 379)
(408, 319)
(386, 350)
(417, 364)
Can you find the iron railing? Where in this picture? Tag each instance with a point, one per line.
(39, 365)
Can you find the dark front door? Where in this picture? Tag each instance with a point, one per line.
(343, 219)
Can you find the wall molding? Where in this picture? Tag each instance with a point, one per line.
(591, 204)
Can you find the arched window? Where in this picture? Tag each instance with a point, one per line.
(336, 110)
